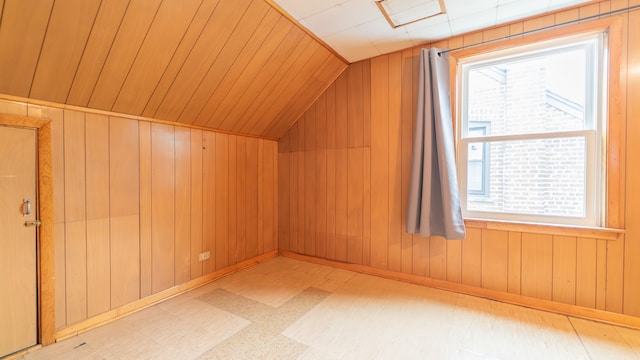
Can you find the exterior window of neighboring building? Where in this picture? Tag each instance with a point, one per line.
(531, 130)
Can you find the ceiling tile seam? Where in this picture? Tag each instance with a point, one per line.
(44, 38)
(170, 60)
(215, 91)
(210, 65)
(135, 58)
(179, 71)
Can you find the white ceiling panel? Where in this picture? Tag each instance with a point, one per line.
(357, 29)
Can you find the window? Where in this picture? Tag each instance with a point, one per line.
(530, 132)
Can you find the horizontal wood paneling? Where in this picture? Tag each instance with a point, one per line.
(570, 267)
(133, 201)
(239, 66)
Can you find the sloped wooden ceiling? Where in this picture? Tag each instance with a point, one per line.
(234, 65)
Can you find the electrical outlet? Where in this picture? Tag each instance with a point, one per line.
(204, 256)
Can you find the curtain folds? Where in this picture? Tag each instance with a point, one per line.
(434, 199)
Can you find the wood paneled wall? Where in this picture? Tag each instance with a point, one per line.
(235, 65)
(344, 173)
(136, 202)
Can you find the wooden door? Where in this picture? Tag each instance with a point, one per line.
(18, 293)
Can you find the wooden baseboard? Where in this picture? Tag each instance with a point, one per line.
(545, 305)
(88, 324)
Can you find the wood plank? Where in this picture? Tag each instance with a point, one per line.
(586, 272)
(601, 274)
(615, 275)
(180, 56)
(515, 262)
(355, 121)
(95, 52)
(209, 200)
(454, 261)
(495, 260)
(222, 201)
(331, 172)
(395, 162)
(182, 241)
(537, 264)
(97, 202)
(124, 198)
(355, 202)
(69, 26)
(564, 269)
(321, 176)
(251, 246)
(196, 202)
(241, 209)
(632, 210)
(269, 198)
(438, 257)
(294, 193)
(310, 185)
(284, 188)
(379, 162)
(130, 36)
(234, 221)
(162, 207)
(472, 257)
(247, 36)
(167, 30)
(144, 129)
(19, 57)
(341, 140)
(300, 158)
(75, 216)
(406, 134)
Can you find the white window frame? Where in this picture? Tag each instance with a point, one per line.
(594, 132)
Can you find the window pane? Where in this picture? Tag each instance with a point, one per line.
(546, 93)
(533, 176)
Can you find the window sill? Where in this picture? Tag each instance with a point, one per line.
(561, 230)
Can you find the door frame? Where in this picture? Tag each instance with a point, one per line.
(45, 241)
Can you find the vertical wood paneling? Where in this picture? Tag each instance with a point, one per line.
(144, 129)
(300, 160)
(564, 269)
(97, 202)
(355, 171)
(182, 271)
(586, 272)
(124, 196)
(163, 207)
(196, 202)
(321, 176)
(407, 121)
(310, 183)
(495, 260)
(222, 201)
(75, 216)
(379, 162)
(515, 262)
(251, 245)
(537, 264)
(232, 210)
(601, 274)
(209, 200)
(284, 188)
(241, 208)
(268, 196)
(472, 257)
(632, 211)
(68, 29)
(395, 163)
(438, 257)
(342, 163)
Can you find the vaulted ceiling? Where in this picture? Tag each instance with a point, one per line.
(233, 65)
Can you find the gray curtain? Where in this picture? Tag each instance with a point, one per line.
(434, 200)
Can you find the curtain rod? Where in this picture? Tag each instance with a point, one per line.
(613, 12)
